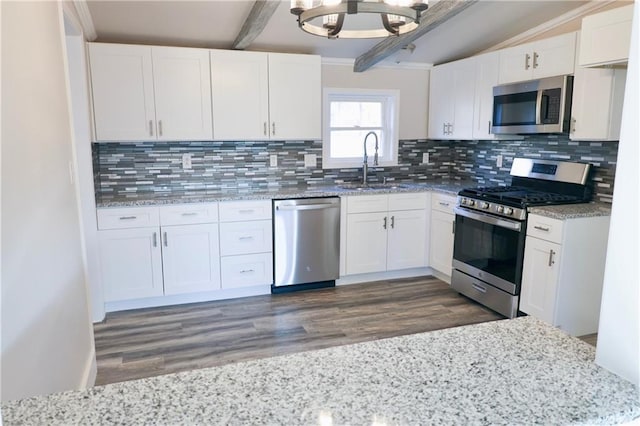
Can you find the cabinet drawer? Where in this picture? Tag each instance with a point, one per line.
(247, 270)
(442, 202)
(235, 211)
(189, 214)
(367, 203)
(245, 237)
(127, 217)
(545, 228)
(408, 201)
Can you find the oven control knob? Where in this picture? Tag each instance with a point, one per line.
(484, 205)
(471, 203)
(500, 209)
(508, 211)
(463, 201)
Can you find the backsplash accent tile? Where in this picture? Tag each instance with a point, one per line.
(476, 160)
(126, 168)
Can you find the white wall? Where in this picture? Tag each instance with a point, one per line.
(413, 85)
(47, 343)
(618, 347)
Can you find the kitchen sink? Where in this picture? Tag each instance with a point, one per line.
(371, 186)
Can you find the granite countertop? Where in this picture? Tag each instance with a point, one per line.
(155, 199)
(519, 371)
(572, 211)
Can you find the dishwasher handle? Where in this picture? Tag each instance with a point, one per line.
(308, 207)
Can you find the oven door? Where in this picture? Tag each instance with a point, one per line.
(489, 248)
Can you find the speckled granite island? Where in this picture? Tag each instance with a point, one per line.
(518, 371)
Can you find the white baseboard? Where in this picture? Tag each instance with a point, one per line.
(390, 275)
(90, 370)
(443, 277)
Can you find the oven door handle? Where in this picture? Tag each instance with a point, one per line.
(492, 220)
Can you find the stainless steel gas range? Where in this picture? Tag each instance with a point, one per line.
(490, 228)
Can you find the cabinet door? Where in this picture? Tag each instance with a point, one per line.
(441, 251)
(182, 93)
(540, 279)
(407, 245)
(122, 92)
(191, 258)
(295, 96)
(464, 84)
(605, 37)
(366, 243)
(554, 56)
(240, 86)
(440, 102)
(596, 109)
(516, 64)
(130, 263)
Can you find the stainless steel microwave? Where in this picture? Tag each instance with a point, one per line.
(537, 106)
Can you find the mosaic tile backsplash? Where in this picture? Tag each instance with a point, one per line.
(121, 169)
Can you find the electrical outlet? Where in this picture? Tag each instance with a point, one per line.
(310, 160)
(499, 161)
(186, 161)
(273, 160)
(425, 158)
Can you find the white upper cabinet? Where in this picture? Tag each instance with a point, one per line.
(240, 85)
(606, 37)
(596, 108)
(545, 58)
(122, 86)
(295, 96)
(144, 93)
(183, 93)
(487, 69)
(452, 89)
(258, 96)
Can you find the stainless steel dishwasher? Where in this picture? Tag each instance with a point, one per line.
(306, 243)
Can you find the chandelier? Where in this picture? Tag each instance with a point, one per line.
(397, 16)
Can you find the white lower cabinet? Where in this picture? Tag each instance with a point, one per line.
(442, 232)
(190, 258)
(130, 263)
(386, 232)
(246, 243)
(563, 271)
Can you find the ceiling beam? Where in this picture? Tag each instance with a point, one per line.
(432, 18)
(257, 20)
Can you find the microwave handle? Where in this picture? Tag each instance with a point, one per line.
(539, 107)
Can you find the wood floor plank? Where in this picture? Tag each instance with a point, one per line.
(154, 341)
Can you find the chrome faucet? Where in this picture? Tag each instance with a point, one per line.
(365, 164)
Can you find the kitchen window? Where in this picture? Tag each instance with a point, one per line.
(349, 114)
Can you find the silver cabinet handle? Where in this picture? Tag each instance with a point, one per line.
(166, 241)
(273, 128)
(489, 127)
(535, 59)
(190, 214)
(246, 238)
(393, 221)
(541, 228)
(246, 211)
(573, 125)
(246, 271)
(155, 239)
(384, 223)
(264, 128)
(453, 227)
(527, 58)
(443, 203)
(551, 261)
(159, 127)
(150, 127)
(128, 217)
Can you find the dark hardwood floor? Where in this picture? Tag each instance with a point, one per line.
(150, 342)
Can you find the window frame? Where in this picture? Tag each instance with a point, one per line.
(390, 100)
